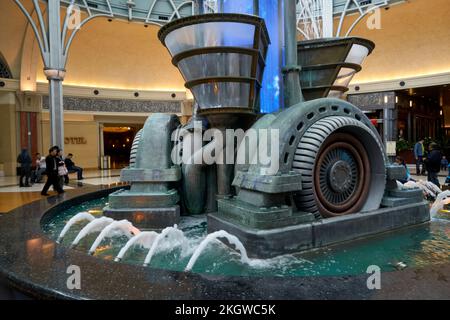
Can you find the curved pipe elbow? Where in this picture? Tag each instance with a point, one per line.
(194, 180)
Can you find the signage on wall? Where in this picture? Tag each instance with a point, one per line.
(75, 140)
(391, 148)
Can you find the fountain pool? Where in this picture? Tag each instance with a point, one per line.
(419, 246)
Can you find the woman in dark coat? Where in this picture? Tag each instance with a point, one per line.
(25, 167)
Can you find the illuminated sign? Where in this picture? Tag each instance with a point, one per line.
(75, 140)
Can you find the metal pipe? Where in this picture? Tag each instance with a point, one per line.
(291, 71)
(194, 180)
(225, 173)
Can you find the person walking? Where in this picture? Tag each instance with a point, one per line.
(51, 162)
(25, 168)
(433, 163)
(419, 151)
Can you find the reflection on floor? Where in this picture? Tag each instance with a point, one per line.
(10, 201)
(88, 174)
(37, 187)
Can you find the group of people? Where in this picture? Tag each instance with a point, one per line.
(432, 162)
(54, 166)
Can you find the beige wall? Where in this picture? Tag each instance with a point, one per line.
(12, 28)
(85, 155)
(103, 54)
(414, 41)
(8, 149)
(120, 55)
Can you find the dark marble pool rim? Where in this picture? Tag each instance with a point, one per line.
(37, 266)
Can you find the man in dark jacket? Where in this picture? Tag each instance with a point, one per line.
(25, 167)
(433, 163)
(52, 172)
(72, 168)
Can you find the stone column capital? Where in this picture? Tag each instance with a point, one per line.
(55, 73)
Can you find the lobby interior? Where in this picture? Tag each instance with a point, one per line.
(118, 74)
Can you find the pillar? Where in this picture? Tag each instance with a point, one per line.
(291, 70)
(55, 74)
(8, 134)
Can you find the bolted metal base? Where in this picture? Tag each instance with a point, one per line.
(146, 218)
(295, 238)
(145, 210)
(264, 218)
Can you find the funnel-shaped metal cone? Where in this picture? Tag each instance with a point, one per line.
(221, 57)
(328, 65)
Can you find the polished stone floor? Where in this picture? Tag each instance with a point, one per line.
(12, 196)
(91, 177)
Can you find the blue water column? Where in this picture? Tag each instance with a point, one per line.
(271, 11)
(271, 94)
(237, 6)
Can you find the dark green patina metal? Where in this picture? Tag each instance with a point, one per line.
(288, 210)
(321, 61)
(257, 52)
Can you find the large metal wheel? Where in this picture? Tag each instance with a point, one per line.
(134, 149)
(342, 166)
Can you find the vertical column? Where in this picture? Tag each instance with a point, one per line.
(327, 16)
(101, 145)
(271, 95)
(199, 7)
(291, 70)
(410, 136)
(389, 127)
(8, 133)
(56, 112)
(55, 74)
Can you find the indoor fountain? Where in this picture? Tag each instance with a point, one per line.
(325, 207)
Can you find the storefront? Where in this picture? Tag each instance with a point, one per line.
(405, 116)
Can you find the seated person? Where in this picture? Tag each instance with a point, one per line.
(41, 167)
(71, 167)
(400, 161)
(447, 180)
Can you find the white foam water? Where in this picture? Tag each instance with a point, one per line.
(144, 239)
(117, 228)
(93, 226)
(214, 236)
(75, 219)
(178, 239)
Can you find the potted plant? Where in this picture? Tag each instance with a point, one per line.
(405, 150)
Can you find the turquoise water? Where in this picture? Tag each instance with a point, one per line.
(417, 246)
